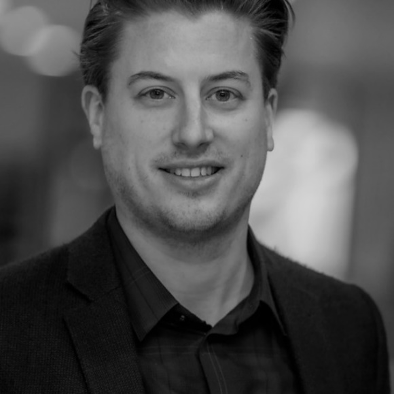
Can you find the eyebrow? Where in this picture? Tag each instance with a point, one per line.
(227, 75)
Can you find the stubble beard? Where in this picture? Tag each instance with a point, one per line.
(193, 227)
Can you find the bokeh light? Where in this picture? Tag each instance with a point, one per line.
(18, 26)
(5, 6)
(52, 51)
(304, 205)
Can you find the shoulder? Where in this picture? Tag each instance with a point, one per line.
(346, 308)
(35, 298)
(35, 268)
(343, 315)
(331, 294)
(47, 272)
(29, 282)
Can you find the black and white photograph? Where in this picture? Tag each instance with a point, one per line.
(196, 196)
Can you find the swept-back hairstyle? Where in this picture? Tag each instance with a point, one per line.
(104, 23)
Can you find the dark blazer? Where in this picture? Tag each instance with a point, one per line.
(65, 326)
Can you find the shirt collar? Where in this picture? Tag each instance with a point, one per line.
(148, 299)
(262, 286)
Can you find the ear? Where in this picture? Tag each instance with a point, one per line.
(270, 113)
(94, 110)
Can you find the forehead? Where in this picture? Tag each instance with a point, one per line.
(174, 43)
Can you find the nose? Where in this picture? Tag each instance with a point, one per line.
(192, 130)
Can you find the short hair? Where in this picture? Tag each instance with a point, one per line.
(104, 23)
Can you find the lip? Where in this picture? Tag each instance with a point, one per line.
(192, 184)
(191, 165)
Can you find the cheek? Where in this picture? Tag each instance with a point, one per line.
(255, 149)
(249, 137)
(118, 145)
(151, 128)
(131, 134)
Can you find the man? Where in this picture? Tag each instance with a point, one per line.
(169, 291)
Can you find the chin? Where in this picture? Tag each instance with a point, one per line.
(192, 223)
(199, 225)
(189, 222)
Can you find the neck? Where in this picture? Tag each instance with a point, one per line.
(208, 278)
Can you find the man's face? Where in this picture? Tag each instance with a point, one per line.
(185, 128)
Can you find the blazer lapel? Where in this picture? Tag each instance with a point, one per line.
(306, 329)
(100, 325)
(101, 331)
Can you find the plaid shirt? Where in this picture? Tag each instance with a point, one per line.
(245, 352)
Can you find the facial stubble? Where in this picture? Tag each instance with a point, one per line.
(191, 226)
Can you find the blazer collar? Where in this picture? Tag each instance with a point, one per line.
(100, 325)
(101, 330)
(305, 325)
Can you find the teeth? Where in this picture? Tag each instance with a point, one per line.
(186, 172)
(195, 172)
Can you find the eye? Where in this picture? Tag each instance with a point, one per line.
(224, 96)
(156, 94)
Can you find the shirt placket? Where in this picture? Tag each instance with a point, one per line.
(212, 367)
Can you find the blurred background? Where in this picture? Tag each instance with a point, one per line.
(327, 195)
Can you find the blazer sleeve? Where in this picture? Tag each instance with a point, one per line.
(382, 383)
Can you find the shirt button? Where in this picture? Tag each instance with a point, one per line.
(182, 318)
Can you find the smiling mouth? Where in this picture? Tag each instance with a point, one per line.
(204, 171)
